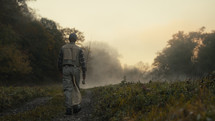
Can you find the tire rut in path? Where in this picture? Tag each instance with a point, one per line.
(27, 106)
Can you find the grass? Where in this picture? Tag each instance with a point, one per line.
(156, 101)
(20, 95)
(14, 96)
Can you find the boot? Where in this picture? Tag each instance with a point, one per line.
(68, 111)
(76, 108)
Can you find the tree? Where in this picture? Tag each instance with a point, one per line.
(67, 31)
(13, 61)
(29, 47)
(206, 56)
(103, 65)
(179, 56)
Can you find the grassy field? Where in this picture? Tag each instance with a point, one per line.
(157, 101)
(11, 97)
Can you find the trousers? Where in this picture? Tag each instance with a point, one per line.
(71, 81)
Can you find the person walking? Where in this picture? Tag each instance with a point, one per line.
(70, 62)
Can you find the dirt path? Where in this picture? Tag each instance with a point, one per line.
(84, 115)
(27, 106)
(86, 112)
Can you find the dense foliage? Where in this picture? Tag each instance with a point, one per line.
(156, 101)
(186, 54)
(29, 47)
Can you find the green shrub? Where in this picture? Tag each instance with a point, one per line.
(161, 101)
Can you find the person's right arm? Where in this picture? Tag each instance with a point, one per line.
(60, 60)
(82, 64)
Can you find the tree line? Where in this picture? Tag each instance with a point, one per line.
(188, 55)
(29, 50)
(29, 46)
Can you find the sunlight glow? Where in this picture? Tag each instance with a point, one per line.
(137, 28)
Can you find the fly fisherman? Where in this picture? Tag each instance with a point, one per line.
(71, 59)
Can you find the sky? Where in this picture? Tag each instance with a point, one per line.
(138, 29)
